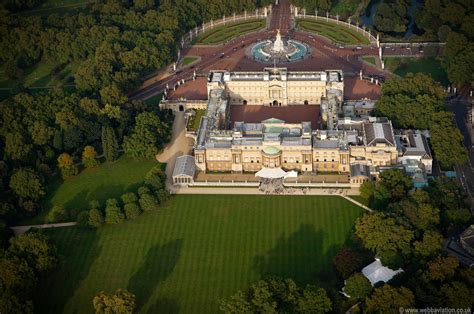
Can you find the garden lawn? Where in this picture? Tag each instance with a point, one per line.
(198, 250)
(223, 33)
(335, 32)
(369, 59)
(154, 100)
(109, 180)
(189, 59)
(403, 66)
(195, 121)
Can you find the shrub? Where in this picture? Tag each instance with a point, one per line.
(129, 198)
(83, 219)
(113, 213)
(96, 218)
(132, 210)
(57, 214)
(148, 202)
(162, 195)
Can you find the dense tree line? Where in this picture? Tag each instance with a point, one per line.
(417, 101)
(28, 259)
(407, 230)
(115, 43)
(451, 22)
(392, 16)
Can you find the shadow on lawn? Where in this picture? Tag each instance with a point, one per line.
(78, 253)
(158, 265)
(299, 256)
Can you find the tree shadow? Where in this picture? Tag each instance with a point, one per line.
(158, 265)
(298, 256)
(164, 305)
(59, 287)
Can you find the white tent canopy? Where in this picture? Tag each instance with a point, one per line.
(271, 173)
(376, 272)
(291, 174)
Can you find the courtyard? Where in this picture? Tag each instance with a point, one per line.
(199, 249)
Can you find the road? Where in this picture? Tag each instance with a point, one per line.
(459, 105)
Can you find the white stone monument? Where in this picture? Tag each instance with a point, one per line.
(278, 44)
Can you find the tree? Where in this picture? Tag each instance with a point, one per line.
(83, 219)
(148, 136)
(148, 202)
(17, 281)
(381, 233)
(442, 268)
(109, 144)
(392, 259)
(66, 165)
(395, 181)
(26, 183)
(347, 261)
(16, 147)
(155, 178)
(431, 244)
(388, 299)
(36, 249)
(357, 286)
(457, 295)
(367, 190)
(278, 295)
(423, 216)
(89, 157)
(411, 101)
(447, 140)
(57, 214)
(96, 218)
(121, 301)
(113, 213)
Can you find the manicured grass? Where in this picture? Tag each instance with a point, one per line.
(432, 66)
(154, 100)
(360, 199)
(106, 181)
(189, 59)
(41, 75)
(335, 32)
(195, 121)
(199, 249)
(59, 7)
(369, 59)
(223, 33)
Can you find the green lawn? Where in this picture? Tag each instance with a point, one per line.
(59, 7)
(41, 75)
(223, 33)
(369, 59)
(199, 249)
(402, 66)
(195, 121)
(106, 181)
(189, 59)
(154, 100)
(335, 32)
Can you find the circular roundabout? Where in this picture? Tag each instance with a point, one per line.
(279, 50)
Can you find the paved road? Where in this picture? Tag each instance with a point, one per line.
(18, 230)
(177, 146)
(459, 105)
(233, 55)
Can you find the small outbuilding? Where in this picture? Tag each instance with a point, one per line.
(184, 170)
(376, 272)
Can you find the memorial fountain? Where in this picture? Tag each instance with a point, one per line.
(279, 50)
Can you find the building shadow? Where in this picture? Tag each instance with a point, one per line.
(157, 266)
